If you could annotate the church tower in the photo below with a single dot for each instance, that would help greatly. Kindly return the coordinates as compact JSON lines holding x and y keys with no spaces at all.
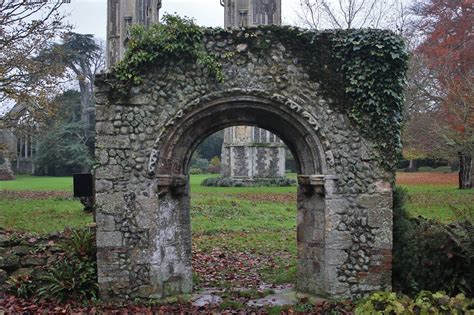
{"x":251,"y":12}
{"x":120,"y":15}
{"x":251,"y":153}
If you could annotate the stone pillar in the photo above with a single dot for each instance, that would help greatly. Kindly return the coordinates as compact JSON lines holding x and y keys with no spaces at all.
{"x":7,"y":153}
{"x":250,"y":153}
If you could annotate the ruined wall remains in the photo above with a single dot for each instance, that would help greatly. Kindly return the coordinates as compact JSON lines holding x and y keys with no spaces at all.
{"x":145,"y":140}
{"x":7,"y":152}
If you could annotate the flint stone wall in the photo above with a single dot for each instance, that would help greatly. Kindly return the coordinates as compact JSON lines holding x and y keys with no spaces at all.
{"x":344,"y":231}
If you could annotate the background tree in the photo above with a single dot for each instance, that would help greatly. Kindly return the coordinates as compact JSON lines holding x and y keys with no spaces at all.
{"x":211,"y":146}
{"x":347,"y":14}
{"x":24,"y":30}
{"x":84,"y":57}
{"x":81,"y":57}
{"x":64,"y":139}
{"x":447,"y":47}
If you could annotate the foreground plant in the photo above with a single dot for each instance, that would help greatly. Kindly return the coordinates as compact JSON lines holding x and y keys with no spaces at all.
{"x":72,"y":277}
{"x":425,"y":303}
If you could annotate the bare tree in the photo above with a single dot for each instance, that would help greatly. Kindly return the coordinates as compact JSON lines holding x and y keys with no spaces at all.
{"x":347,"y":14}
{"x":25,"y":28}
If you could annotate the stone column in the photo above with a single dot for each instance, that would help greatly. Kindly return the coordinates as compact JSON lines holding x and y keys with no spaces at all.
{"x":250,"y":153}
{"x":7,"y":153}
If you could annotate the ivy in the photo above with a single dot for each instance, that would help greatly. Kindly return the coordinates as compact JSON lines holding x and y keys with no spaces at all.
{"x":362,"y":71}
{"x":372,"y":65}
{"x":175,"y":38}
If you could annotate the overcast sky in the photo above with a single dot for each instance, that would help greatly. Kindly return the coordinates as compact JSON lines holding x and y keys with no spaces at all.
{"x":89,"y":16}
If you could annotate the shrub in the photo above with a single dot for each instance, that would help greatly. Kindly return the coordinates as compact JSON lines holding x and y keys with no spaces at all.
{"x":22,"y":286}
{"x":202,"y":164}
{"x":428,"y":255}
{"x":425,"y":169}
{"x":74,"y":276}
{"x":81,"y":244}
{"x":214,"y":165}
{"x":70,"y":278}
{"x":230,"y":182}
{"x":424,"y":303}
{"x":195,"y":171}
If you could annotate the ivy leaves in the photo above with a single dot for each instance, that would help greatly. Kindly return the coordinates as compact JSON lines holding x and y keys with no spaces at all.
{"x":373,"y":65}
{"x":175,"y":39}
{"x":370,"y":65}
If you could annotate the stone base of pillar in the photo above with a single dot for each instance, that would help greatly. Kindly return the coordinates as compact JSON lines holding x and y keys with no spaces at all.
{"x":6,"y":172}
{"x":249,"y":182}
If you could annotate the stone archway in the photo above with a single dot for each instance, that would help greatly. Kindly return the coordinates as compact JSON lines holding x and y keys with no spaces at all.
{"x":145,"y":141}
{"x":169,"y":164}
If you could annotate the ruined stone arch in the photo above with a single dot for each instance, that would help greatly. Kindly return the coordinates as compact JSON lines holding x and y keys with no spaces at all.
{"x":145,"y":137}
{"x":299,"y":129}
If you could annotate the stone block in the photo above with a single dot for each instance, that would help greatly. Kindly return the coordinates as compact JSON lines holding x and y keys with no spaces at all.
{"x":304,"y":233}
{"x":113,"y":142}
{"x":109,"y":172}
{"x":102,"y":186}
{"x":338,"y":240}
{"x":337,"y":206}
{"x":3,"y":276}
{"x":105,"y":222}
{"x":9,"y":262}
{"x":335,"y":257}
{"x":305,"y":217}
{"x":31,"y":261}
{"x":384,"y":236}
{"x":21,"y":250}
{"x":104,"y":128}
{"x":109,"y":239}
{"x":108,"y":257}
{"x":383,"y":187}
{"x":109,"y":203}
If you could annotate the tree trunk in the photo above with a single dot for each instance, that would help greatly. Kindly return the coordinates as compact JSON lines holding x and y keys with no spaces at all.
{"x":85,"y":96}
{"x":412,"y":166}
{"x":465,"y":171}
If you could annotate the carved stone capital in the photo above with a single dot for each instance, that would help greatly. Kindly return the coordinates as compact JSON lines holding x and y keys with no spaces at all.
{"x":311,"y":184}
{"x":176,"y":184}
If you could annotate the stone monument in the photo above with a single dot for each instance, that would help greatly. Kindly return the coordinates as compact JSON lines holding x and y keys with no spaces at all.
{"x":251,"y":154}
{"x":7,"y":151}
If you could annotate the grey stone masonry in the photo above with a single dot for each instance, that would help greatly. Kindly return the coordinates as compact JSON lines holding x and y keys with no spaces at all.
{"x":144,"y":146}
{"x":250,"y":153}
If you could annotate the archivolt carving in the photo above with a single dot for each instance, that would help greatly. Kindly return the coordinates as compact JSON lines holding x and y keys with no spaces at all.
{"x":155,"y":152}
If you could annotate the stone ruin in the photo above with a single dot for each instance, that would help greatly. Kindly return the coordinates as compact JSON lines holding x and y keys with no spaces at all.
{"x":7,"y":152}
{"x":145,"y":141}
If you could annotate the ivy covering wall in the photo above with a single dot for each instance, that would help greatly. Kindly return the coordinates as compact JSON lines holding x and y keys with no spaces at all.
{"x":361,"y":71}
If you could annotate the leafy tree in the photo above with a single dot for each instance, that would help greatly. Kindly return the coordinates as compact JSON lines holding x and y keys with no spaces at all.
{"x":64,"y":140}
{"x":64,"y":149}
{"x":211,"y":146}
{"x":84,"y":57}
{"x":448,"y":50}
{"x":25,"y":28}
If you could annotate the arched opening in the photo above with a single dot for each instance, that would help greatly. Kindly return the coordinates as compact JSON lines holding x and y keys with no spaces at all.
{"x":294,"y":126}
{"x":243,"y":232}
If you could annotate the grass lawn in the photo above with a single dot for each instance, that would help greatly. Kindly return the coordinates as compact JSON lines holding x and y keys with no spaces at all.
{"x":436,"y":196}
{"x":40,"y":205}
{"x":258,"y":221}
{"x":37,"y":183}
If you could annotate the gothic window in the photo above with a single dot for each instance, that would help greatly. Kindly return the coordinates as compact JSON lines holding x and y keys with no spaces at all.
{"x":243,"y":18}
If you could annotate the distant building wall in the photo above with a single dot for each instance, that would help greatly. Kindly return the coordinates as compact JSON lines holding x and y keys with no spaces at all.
{"x":120,"y":15}
{"x":250,"y":153}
